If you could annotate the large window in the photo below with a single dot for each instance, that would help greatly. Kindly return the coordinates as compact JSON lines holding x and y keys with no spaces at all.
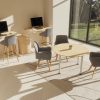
{"x":85,"y":21}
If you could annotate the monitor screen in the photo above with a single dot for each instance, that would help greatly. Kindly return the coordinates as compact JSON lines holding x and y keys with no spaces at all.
{"x":36,"y":21}
{"x":3,"y":26}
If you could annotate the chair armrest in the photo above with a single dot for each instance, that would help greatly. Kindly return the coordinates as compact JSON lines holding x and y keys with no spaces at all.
{"x":46,"y":49}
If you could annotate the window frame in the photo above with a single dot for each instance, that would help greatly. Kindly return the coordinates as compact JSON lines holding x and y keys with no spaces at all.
{"x":88,"y":25}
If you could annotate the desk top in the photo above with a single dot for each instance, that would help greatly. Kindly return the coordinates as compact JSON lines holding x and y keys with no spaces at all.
{"x":5,"y":34}
{"x":10,"y":33}
{"x":40,"y":29}
{"x":64,"y":50}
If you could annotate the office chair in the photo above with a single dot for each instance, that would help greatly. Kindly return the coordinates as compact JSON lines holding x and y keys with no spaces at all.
{"x":45,"y":34}
{"x":95,"y":60}
{"x":61,"y":39}
{"x":43,"y":53}
{"x":10,"y":41}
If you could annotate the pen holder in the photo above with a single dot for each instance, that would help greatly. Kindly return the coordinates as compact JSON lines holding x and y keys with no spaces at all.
{"x":70,"y":46}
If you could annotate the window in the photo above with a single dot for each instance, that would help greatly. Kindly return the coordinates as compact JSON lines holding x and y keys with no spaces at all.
{"x":85,"y":21}
{"x":94,"y":27}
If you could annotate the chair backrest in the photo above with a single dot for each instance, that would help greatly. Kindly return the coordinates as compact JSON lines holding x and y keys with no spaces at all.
{"x":36,"y":46}
{"x":61,"y":39}
{"x":49,"y":31}
{"x":95,"y":58}
{"x":46,"y":33}
{"x":10,"y":40}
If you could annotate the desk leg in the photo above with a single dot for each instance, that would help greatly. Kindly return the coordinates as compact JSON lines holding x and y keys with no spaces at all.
{"x":81,"y":63}
{"x":59,"y":64}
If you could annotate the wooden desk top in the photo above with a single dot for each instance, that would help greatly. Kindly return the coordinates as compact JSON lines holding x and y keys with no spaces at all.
{"x":40,"y":29}
{"x":5,"y":34}
{"x":63,"y":49}
{"x":10,"y":33}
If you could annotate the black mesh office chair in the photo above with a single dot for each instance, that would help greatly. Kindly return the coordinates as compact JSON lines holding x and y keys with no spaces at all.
{"x":43,"y":53}
{"x":10,"y":41}
{"x":95,"y":60}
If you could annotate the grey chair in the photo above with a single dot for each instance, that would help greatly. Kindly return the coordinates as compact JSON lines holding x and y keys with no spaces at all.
{"x":45,"y":34}
{"x":61,"y":39}
{"x":95,"y":60}
{"x":43,"y":53}
{"x":10,"y":43}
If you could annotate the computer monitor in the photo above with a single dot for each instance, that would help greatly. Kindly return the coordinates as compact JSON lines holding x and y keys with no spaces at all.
{"x":3,"y":27}
{"x":37,"y":22}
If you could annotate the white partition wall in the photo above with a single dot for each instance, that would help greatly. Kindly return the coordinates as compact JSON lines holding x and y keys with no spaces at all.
{"x":61,"y":13}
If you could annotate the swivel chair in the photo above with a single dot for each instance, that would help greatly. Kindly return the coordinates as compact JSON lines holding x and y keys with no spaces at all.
{"x":45,"y":34}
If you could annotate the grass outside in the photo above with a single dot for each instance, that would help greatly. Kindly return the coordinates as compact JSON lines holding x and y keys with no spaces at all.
{"x":94,"y":33}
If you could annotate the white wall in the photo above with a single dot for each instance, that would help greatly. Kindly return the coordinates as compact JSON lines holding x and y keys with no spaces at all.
{"x":61,"y":12}
{"x":48,"y":17}
{"x":48,"y":12}
{"x":56,"y":13}
{"x":19,"y":12}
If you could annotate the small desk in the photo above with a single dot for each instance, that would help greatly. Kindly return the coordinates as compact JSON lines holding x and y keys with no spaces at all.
{"x":28,"y":37}
{"x":76,"y":50}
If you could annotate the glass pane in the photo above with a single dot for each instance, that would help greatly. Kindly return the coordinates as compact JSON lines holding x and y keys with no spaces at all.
{"x":79,"y":21}
{"x":94,"y":29}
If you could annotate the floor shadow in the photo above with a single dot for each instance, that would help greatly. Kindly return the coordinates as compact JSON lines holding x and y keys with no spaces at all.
{"x":49,"y":89}
{"x":39,"y":88}
{"x":10,"y":84}
{"x":62,"y":84}
{"x":98,"y":99}
{"x":14,"y":78}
